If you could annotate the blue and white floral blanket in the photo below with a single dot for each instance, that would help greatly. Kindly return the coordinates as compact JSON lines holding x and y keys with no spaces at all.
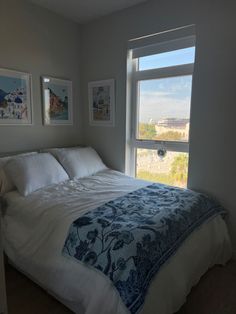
{"x":128,"y":239}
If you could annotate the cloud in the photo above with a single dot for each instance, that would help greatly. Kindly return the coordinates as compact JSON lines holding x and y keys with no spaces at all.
{"x":158,"y":105}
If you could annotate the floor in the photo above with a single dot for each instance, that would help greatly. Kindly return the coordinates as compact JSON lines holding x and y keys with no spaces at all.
{"x":215,"y":294}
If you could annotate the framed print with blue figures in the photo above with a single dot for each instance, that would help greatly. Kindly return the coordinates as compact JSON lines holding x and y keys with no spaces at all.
{"x":57,"y":101}
{"x":15,"y":98}
{"x":102,"y":103}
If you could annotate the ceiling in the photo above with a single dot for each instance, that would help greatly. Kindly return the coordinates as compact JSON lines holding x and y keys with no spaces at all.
{"x":83,"y":11}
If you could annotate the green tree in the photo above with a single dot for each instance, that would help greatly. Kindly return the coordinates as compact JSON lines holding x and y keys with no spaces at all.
{"x":155,"y":177}
{"x":179,"y":168}
{"x":170,"y":136}
{"x":147,"y":131}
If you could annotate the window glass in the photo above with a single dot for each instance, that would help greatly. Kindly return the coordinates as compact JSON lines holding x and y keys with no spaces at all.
{"x":164,"y":109}
{"x":172,"y":169}
{"x":162,"y":102}
{"x":167,"y":59}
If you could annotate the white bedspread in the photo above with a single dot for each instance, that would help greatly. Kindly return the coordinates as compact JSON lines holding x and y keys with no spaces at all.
{"x":35,"y":229}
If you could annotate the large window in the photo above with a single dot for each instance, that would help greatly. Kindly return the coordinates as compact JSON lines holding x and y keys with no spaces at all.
{"x":161,"y":99}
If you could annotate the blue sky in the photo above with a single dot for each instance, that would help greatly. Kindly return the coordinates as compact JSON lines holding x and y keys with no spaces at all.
{"x":168,"y":97}
{"x":60,"y":90}
{"x":9,"y":84}
{"x":166,"y":59}
{"x":165,"y":98}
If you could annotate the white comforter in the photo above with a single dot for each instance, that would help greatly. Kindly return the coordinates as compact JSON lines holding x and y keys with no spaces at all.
{"x":36,"y":227}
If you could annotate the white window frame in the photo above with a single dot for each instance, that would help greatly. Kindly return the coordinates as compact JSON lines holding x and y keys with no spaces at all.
{"x":174,"y":40}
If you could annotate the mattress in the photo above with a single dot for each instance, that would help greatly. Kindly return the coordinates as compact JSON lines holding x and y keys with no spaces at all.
{"x":35,"y":228}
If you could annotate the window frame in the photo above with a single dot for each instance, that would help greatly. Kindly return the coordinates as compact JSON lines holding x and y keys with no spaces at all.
{"x":135,"y":75}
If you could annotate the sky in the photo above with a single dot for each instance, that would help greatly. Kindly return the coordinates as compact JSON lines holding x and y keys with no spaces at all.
{"x":60,"y":90}
{"x":165,"y":98}
{"x":161,"y":60}
{"x":10,"y":84}
{"x":168,"y":97}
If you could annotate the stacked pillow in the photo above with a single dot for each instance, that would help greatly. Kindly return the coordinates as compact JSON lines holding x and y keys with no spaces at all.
{"x":80,"y":162}
{"x":55,"y":150}
{"x":6,"y":184}
{"x":30,"y":172}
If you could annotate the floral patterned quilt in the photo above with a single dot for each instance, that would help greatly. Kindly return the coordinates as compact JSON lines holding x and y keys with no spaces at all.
{"x":128,"y":239}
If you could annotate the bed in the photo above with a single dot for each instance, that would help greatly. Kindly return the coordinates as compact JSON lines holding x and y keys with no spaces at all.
{"x":36,"y":226}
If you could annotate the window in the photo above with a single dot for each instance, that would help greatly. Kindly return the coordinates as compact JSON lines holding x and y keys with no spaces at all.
{"x":161,"y":84}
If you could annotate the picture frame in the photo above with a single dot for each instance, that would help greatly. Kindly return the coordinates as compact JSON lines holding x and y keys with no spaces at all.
{"x":57,"y":101}
{"x":15,"y":98}
{"x":102,"y":103}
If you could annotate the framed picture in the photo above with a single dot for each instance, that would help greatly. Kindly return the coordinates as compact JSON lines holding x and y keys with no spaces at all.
{"x":57,"y":101}
{"x":102,"y":103}
{"x":15,"y":98}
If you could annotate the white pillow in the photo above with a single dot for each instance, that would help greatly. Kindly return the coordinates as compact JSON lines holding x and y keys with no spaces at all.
{"x":6,"y":184}
{"x":30,"y":173}
{"x":80,"y":162}
{"x":55,"y":150}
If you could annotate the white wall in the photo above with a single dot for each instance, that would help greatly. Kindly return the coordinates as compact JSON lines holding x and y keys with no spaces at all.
{"x":213,"y":128}
{"x":42,"y":43}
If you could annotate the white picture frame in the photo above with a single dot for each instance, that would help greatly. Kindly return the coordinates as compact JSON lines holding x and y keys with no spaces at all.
{"x":15,"y":98}
{"x":57,"y":101}
{"x":102,"y":103}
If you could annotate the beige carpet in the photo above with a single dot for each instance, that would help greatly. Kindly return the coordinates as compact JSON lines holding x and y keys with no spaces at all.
{"x":215,"y":294}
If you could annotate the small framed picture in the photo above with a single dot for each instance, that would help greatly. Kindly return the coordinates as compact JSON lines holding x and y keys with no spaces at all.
{"x":57,"y":101}
{"x":15,"y":98}
{"x":102,"y":103}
